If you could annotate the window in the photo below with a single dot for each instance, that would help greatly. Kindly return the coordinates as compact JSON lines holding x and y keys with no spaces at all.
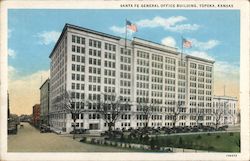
{"x":82,"y":40}
{"x":73,"y":38}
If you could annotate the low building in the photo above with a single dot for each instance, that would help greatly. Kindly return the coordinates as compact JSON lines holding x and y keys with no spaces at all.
{"x":228,"y":109}
{"x":36,"y":115}
{"x":44,"y":102}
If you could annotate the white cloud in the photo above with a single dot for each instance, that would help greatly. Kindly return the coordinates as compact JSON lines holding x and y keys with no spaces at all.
{"x":201,"y":54}
{"x":160,"y":22}
{"x":12,"y":72}
{"x":169,"y":24}
{"x":226,"y":67}
{"x":169,"y":41}
{"x":11,"y":53}
{"x":204,"y":45}
{"x":223,"y":70}
{"x":183,"y":27}
{"x":118,"y":30}
{"x":47,"y":37}
{"x":121,"y":31}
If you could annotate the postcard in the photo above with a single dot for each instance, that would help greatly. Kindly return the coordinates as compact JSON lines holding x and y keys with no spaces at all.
{"x":124,"y":80}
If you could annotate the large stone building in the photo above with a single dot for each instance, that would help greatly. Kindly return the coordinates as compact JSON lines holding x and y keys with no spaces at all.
{"x":90,"y":63}
{"x":44,"y":102}
{"x":227,"y":109}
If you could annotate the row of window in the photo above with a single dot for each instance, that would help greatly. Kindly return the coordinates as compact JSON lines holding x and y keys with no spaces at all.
{"x":125,"y":91}
{"x":77,"y":58}
{"x":109,"y":72}
{"x":125,"y":67}
{"x":125,"y":83}
{"x":94,"y":52}
{"x":157,"y":58}
{"x":95,"y":43}
{"x":78,"y":39}
{"x":110,"y":55}
{"x":125,"y":59}
{"x":94,"y":70}
{"x":125,"y":75}
{"x":93,"y":61}
{"x":110,"y":47}
{"x":78,"y":68}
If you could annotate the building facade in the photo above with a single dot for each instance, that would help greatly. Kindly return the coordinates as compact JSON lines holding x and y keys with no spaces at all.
{"x":227,"y":109}
{"x":36,"y":115}
{"x":89,"y":63}
{"x":44,"y":102}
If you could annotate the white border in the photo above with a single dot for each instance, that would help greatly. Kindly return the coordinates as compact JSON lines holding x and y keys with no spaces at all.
{"x":243,"y":6}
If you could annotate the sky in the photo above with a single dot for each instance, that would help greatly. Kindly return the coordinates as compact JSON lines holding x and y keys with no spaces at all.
{"x":32,"y":34}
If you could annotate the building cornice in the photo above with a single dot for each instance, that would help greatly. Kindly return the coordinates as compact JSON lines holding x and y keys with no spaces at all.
{"x":153,"y":45}
{"x":70,"y":26}
{"x":225,"y":98}
{"x":47,"y":80}
{"x":201,"y":59}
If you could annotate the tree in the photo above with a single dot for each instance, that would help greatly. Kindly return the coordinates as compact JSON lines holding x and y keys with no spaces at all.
{"x":199,"y":115}
{"x":69,"y":103}
{"x":146,"y":110}
{"x":176,"y":112}
{"x":217,"y":113}
{"x":110,"y":107}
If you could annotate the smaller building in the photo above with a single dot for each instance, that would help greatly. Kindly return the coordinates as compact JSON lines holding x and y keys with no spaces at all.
{"x":228,"y":109}
{"x":44,"y":102}
{"x":36,"y":115}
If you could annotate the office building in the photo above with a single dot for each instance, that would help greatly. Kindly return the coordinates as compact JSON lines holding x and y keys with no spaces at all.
{"x":44,"y":102}
{"x":89,"y":63}
{"x":227,"y":107}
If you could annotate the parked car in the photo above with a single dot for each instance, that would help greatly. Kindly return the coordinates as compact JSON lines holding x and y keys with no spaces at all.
{"x":78,"y":131}
{"x":12,"y":126}
{"x":44,"y":129}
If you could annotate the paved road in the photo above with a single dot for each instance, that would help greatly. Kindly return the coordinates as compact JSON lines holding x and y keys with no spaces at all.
{"x":30,"y":139}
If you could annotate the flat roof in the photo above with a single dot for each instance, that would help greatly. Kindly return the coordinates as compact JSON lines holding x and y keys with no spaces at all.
{"x":160,"y":47}
{"x":201,"y":59}
{"x":44,"y":83}
{"x":226,"y":97}
{"x":66,"y":26}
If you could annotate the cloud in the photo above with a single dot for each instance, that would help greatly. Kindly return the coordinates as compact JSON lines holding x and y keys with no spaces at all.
{"x":160,"y":22}
{"x":183,"y":27}
{"x":47,"y":37}
{"x":201,"y":54}
{"x":24,"y":91}
{"x":226,"y":71}
{"x":169,"y":24}
{"x":11,"y":72}
{"x":11,"y":53}
{"x":223,"y":70}
{"x":121,"y":31}
{"x":169,"y":41}
{"x":204,"y":45}
{"x":118,"y":30}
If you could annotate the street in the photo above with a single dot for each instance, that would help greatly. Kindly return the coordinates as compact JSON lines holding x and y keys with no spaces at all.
{"x":29,"y":139}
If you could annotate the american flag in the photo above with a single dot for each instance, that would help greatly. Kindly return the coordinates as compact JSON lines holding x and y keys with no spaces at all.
{"x":131,"y":26}
{"x":186,"y":43}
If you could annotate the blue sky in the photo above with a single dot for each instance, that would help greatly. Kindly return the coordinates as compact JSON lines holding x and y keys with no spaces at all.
{"x":31,"y":54}
{"x":33,"y":33}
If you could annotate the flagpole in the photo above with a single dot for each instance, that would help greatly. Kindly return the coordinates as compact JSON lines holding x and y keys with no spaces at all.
{"x":181,"y":48}
{"x":126,"y":35}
